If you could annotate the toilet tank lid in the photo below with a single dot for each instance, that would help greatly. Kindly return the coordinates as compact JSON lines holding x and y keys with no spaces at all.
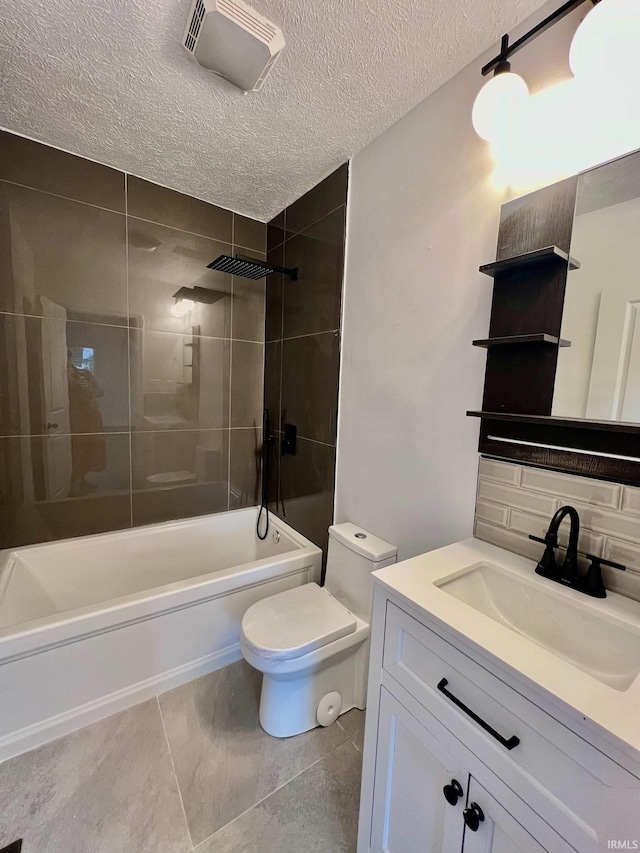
{"x":362,"y":542}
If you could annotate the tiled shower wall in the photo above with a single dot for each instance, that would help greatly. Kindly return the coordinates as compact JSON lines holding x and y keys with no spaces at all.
{"x":516,"y":500}
{"x":113,"y":411}
{"x":303,"y":351}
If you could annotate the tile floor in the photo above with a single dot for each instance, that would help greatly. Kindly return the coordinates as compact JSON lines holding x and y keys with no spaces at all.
{"x":188,"y":771}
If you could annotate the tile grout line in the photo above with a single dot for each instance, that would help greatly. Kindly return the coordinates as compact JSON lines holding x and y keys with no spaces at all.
{"x":306,"y":228}
{"x":175,"y":775}
{"x":275,"y":790}
{"x":64,"y":197}
{"x":136,"y":432}
{"x":142,"y":218}
{"x":233,"y":236}
{"x":129,"y":341}
{"x":195,"y":233}
{"x":124,"y":327}
{"x":311,"y":335}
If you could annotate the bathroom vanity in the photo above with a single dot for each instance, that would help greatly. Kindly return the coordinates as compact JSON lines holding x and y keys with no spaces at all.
{"x":503,"y":711}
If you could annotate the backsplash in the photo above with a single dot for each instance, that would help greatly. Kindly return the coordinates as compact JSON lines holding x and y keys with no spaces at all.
{"x":516,"y":500}
{"x":116,"y":408}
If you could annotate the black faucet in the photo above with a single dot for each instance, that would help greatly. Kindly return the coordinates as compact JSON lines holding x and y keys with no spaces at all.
{"x":568,"y":573}
{"x":548,"y":566}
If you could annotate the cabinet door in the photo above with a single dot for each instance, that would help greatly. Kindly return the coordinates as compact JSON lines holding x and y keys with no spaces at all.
{"x":514,"y":829}
{"x":410,"y":811}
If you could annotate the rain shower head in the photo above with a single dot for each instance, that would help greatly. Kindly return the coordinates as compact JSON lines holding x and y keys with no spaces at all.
{"x":249,"y":267}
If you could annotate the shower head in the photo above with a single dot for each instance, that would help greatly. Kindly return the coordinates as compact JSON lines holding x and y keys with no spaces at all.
{"x":249,"y":267}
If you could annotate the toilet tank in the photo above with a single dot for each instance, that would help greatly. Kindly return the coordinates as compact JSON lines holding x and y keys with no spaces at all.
{"x":353,"y":554}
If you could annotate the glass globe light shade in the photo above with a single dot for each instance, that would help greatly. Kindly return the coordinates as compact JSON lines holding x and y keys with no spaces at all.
{"x":495,"y":104}
{"x":607,"y":42}
{"x":182,"y":307}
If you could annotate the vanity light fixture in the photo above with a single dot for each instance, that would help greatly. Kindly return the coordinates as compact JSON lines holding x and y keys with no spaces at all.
{"x":497,"y":99}
{"x":607,"y":41}
{"x":505,"y":91}
{"x":187,"y":297}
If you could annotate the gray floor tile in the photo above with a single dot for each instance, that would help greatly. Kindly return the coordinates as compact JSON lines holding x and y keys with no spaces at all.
{"x":105,"y":788}
{"x":317,"y":812}
{"x":225,"y":763}
{"x":353,"y":724}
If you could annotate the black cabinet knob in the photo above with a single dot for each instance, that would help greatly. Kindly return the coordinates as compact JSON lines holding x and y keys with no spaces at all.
{"x":453,"y":792}
{"x":473,"y":817}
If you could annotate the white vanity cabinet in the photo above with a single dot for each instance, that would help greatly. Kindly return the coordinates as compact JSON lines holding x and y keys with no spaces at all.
{"x":442,"y":720}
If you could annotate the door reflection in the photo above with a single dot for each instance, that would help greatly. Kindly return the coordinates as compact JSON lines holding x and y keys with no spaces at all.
{"x":88,"y":452}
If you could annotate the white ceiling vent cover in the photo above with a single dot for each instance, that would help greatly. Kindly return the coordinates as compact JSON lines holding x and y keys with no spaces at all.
{"x":231,"y":39}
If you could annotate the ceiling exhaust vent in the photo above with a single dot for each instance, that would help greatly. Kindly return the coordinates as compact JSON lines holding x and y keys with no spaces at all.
{"x":231,"y":39}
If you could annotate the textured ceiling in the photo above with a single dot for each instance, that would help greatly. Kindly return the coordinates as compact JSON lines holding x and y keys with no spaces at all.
{"x":109,"y":80}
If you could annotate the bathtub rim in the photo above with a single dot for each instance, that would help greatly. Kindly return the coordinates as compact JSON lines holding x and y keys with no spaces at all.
{"x":27,"y":638}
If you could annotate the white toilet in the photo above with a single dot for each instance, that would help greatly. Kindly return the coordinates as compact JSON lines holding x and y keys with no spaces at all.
{"x":312,"y":643}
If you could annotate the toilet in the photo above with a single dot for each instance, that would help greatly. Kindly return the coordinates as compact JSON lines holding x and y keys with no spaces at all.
{"x":312,"y":643}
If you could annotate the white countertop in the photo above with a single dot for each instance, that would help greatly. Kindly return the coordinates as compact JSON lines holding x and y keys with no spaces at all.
{"x":610,"y":713}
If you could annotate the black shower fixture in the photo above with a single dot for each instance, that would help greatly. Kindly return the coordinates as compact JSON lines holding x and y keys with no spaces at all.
{"x":198,"y":294}
{"x":249,"y":267}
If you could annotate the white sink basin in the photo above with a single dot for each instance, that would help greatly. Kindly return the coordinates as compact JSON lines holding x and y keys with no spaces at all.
{"x":582,"y":633}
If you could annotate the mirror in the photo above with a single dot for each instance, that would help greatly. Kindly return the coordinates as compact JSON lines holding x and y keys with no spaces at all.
{"x":598,"y":375}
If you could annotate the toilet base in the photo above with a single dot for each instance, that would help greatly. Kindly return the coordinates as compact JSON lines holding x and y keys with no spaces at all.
{"x":289,"y":705}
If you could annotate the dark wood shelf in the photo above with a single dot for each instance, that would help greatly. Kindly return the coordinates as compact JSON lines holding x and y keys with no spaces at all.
{"x":552,"y":420}
{"x":520,"y":263}
{"x":540,"y":338}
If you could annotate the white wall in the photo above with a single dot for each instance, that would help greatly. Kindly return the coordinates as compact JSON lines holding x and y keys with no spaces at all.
{"x":422,"y":216}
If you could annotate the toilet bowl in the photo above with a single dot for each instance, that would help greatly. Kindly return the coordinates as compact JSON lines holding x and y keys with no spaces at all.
{"x":311,"y":643}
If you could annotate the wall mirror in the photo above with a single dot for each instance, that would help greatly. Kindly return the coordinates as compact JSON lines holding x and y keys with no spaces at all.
{"x":598,"y":374}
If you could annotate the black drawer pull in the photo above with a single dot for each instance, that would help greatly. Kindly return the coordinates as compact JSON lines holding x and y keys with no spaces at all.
{"x":509,"y":744}
{"x":452,"y":793}
{"x":473,"y":817}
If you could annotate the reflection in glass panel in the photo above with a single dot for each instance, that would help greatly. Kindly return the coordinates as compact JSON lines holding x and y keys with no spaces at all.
{"x":598,"y":376}
{"x":50,"y":488}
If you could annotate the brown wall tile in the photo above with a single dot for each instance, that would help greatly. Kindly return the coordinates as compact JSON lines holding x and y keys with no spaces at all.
{"x":41,"y":167}
{"x":272,"y":375}
{"x":163,"y":394}
{"x":53,"y":250}
{"x":274,"y":295}
{"x":249,"y":234}
{"x":58,"y":377}
{"x":248,"y":309}
{"x":275,"y":231}
{"x":177,"y":474}
{"x":179,"y":381}
{"x":161,"y":261}
{"x":313,"y":302}
{"x":245,"y":464}
{"x":319,"y":201}
{"x":310,"y":385}
{"x":307,"y":487}
{"x":62,"y":486}
{"x":247,"y":381}
{"x":168,"y":207}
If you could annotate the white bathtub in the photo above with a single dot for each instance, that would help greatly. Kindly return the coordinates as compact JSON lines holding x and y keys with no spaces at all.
{"x":90,"y":626}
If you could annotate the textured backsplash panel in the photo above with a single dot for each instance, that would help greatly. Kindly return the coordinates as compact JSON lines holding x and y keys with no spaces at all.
{"x":516,"y":500}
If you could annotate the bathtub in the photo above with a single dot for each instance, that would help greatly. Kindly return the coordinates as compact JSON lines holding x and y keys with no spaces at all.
{"x":90,"y":626}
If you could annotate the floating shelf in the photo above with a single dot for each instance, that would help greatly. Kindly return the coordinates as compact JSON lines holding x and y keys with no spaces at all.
{"x":554,"y":420}
{"x":528,"y":260}
{"x":540,"y":338}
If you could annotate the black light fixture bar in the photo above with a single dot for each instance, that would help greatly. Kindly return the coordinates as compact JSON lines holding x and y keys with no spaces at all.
{"x":508,"y":50}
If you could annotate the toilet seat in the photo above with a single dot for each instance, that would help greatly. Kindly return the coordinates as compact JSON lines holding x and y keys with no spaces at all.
{"x":295,"y":622}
